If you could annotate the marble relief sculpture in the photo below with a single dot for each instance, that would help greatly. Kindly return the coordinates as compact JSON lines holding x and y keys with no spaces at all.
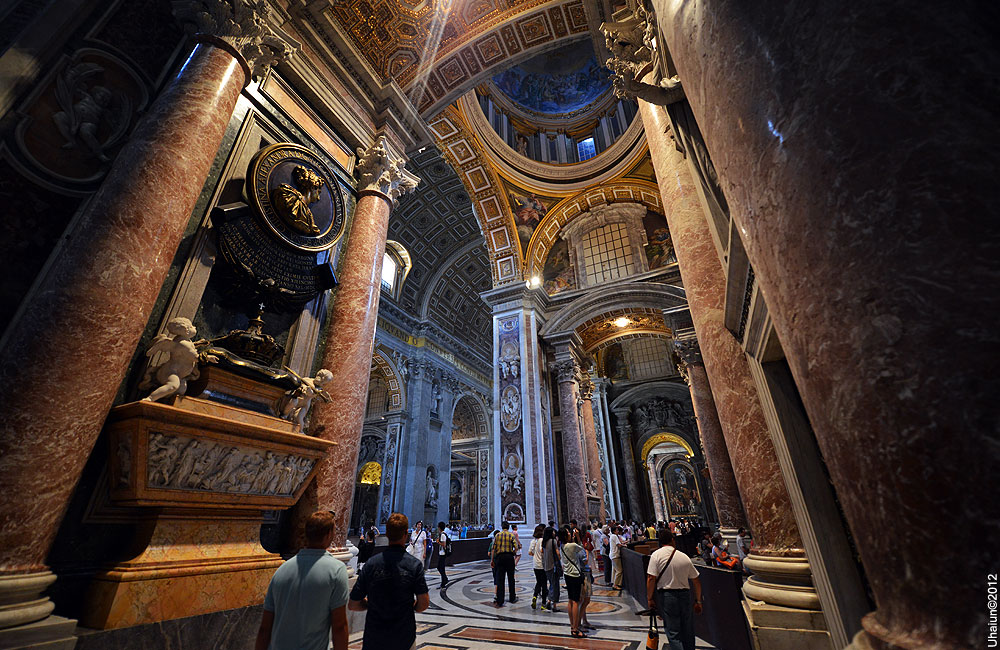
{"x":86,"y":107}
{"x":179,"y":462}
{"x":294,"y":404}
{"x":170,"y":377}
{"x":512,"y":476}
{"x":432,"y":489}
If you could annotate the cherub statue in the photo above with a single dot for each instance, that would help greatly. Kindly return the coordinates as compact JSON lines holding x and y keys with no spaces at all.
{"x":294,"y":405}
{"x":171,"y":376}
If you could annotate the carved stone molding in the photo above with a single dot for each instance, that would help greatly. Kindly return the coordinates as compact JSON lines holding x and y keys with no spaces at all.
{"x":382,"y":173}
{"x":241,"y":25}
{"x":630,"y":40}
{"x":688,"y":351}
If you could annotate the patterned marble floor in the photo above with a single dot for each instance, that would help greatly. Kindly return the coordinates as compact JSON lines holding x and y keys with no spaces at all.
{"x":462,"y":616}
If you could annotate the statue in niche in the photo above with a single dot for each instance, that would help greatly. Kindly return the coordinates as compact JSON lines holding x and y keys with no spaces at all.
{"x":432,"y":497}
{"x":172,"y":375}
{"x":435,"y":396}
{"x":293,"y":205}
{"x":294,"y":404}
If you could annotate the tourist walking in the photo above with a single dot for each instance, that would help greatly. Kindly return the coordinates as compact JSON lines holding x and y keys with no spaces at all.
{"x":444,"y":550}
{"x":418,"y":542}
{"x":668,"y":591}
{"x":306,"y":599}
{"x":505,"y":544}
{"x":392,"y":587}
{"x":538,"y":566}
{"x":552,"y":565}
{"x":616,"y":558}
{"x":573,"y":569}
{"x":587,"y":587}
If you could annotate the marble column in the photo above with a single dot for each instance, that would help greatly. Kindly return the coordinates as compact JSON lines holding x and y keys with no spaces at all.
{"x":656,"y":489}
{"x":628,"y":460}
{"x":574,"y":468}
{"x":863,"y":276}
{"x":724,"y":490}
{"x":64,"y":357}
{"x":781,"y":572}
{"x":590,"y":440}
{"x":351,"y":335}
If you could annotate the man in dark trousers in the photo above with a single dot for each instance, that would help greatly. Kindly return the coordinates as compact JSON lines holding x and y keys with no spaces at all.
{"x":305,"y":600}
{"x":668,"y":581}
{"x":442,"y":546}
{"x":502,"y":559}
{"x":392,"y":587}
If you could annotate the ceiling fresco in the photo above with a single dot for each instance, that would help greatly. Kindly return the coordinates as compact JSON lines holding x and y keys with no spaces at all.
{"x":436,"y":224}
{"x":468,"y":39}
{"x":560,"y":81}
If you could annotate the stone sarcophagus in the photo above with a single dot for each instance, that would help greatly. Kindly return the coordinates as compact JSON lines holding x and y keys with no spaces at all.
{"x":201,"y":473}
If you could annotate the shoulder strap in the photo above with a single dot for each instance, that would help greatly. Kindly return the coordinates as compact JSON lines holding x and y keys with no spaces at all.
{"x":669,"y":560}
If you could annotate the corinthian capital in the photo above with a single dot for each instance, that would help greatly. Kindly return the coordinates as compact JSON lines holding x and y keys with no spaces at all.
{"x":242,"y":25}
{"x":586,"y":389}
{"x":688,"y":351}
{"x":567,"y":370}
{"x":379,"y":171}
{"x":630,"y":41}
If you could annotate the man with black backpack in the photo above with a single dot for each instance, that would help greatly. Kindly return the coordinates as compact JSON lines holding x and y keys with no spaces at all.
{"x":444,"y":550}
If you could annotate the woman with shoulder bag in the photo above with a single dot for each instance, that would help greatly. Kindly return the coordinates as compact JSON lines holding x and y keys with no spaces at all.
{"x":550,"y":562}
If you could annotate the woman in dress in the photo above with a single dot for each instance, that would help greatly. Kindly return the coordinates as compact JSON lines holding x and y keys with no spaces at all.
{"x":418,"y":542}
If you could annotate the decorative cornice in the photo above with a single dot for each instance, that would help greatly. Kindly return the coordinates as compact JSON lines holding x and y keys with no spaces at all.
{"x":379,"y":172}
{"x":241,"y":27}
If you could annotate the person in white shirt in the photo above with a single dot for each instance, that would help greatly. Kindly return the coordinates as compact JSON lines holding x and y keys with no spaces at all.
{"x":616,"y":558}
{"x":668,"y":581}
{"x":442,"y":543}
{"x":538,"y":565}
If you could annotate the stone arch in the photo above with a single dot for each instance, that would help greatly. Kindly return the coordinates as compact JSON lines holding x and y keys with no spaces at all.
{"x":596,"y":303}
{"x":479,"y":412}
{"x":462,"y":149}
{"x":627,"y":190}
{"x":382,"y":362}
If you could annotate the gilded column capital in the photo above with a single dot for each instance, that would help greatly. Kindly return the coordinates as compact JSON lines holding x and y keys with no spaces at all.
{"x":586,"y":389}
{"x":381,"y":173}
{"x":630,"y":39}
{"x":567,"y":370}
{"x":239,"y":26}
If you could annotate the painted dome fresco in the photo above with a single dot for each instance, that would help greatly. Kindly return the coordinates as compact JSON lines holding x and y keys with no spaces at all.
{"x":557,"y":82}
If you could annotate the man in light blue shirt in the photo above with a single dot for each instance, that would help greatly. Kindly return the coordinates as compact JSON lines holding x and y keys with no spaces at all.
{"x":307,"y":597}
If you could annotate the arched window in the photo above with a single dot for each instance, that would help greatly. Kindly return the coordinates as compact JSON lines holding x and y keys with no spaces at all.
{"x":607,"y":254}
{"x":378,"y":397}
{"x":396,"y":266}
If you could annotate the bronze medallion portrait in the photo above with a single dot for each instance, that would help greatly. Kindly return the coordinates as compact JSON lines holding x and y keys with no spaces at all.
{"x":296,"y":196}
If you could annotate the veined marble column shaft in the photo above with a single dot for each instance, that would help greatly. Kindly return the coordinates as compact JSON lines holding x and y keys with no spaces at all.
{"x":748,"y":440}
{"x":574,"y":469}
{"x":713,"y":443}
{"x":64,"y":358}
{"x":351,"y":335}
{"x":872,"y":246}
{"x":628,"y":460}
{"x":590,"y":439}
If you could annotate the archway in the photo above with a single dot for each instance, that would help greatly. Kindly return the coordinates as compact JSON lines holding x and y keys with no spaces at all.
{"x":366,"y":487}
{"x":470,"y":478}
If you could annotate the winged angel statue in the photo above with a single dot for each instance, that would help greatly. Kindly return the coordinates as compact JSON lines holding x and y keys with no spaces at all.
{"x":86,"y":108}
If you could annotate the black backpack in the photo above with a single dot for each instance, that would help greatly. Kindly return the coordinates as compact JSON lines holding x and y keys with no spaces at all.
{"x":447,"y":546}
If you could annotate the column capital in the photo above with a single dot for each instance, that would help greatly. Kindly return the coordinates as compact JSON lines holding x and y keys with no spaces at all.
{"x":688,"y":354}
{"x":239,"y":26}
{"x":381,"y":173}
{"x":567,"y":370}
{"x":586,"y":388}
{"x":630,"y":40}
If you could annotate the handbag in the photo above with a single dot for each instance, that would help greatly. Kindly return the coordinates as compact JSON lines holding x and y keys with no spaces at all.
{"x":653,"y":635}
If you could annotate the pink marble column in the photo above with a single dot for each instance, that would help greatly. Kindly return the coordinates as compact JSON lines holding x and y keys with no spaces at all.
{"x":574,"y":467}
{"x":755,"y":464}
{"x":724,"y":490}
{"x":66,"y":355}
{"x":628,"y":461}
{"x":590,"y":439}
{"x":872,"y":245}
{"x":351,"y":335}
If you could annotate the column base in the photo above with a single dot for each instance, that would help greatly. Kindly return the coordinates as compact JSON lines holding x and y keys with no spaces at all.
{"x":50,"y":633}
{"x":188,"y":568}
{"x":785,"y":628}
{"x":782,"y":606}
{"x":21,"y":600}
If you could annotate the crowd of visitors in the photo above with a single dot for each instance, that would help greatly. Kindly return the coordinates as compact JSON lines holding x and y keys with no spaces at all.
{"x":307,"y":599}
